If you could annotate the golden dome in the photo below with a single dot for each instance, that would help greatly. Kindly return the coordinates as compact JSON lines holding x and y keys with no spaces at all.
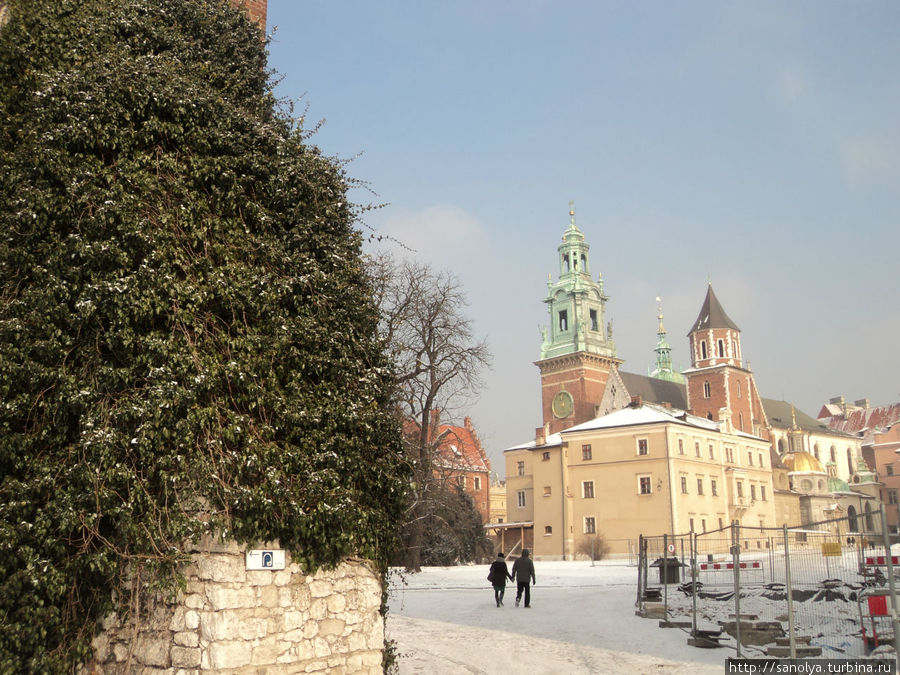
{"x":802,"y":462}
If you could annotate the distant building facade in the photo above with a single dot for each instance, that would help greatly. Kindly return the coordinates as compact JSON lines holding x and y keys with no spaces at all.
{"x":715,"y":451}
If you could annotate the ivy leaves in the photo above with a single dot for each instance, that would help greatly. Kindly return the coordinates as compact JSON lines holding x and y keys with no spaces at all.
{"x":187,"y":339}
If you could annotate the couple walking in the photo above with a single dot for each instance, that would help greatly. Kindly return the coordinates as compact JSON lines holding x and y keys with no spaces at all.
{"x":522,"y":573}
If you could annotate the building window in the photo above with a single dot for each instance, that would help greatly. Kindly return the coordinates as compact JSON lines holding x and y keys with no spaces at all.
{"x":587,"y":489}
{"x":563,"y":321}
{"x":546,"y":490}
{"x":750,"y":458}
{"x":461,"y":481}
{"x":594,"y":325}
{"x":477,"y":482}
{"x":740,"y":421}
{"x":691,"y":521}
{"x":703,"y":524}
{"x":702,"y":349}
{"x":740,"y":489}
{"x":586,"y":452}
{"x":752,"y":492}
{"x":762,"y":492}
{"x":697,"y":448}
{"x":706,"y":390}
{"x":712,"y":487}
{"x":720,"y":523}
{"x":712,"y":451}
{"x":889,"y":469}
{"x":546,"y":456}
{"x":816,"y":451}
{"x":590,"y":525}
{"x":548,"y":531}
{"x":699,"y":486}
{"x":684,"y":485}
{"x":680,"y":446}
{"x":850,"y":461}
{"x":739,"y":388}
{"x":644,"y":485}
{"x":761,"y":462}
{"x":833,"y":454}
{"x":520,"y":498}
{"x":720,"y":346}
{"x":892,"y":497}
{"x":642,"y":447}
{"x":520,"y":468}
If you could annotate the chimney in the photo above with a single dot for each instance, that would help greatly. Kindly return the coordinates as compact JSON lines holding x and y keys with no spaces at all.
{"x":667,"y":405}
{"x":862,"y":403}
{"x":540,"y":436}
{"x":636,"y":401}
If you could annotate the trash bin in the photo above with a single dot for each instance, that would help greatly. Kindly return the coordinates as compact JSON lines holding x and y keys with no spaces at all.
{"x":669,"y":570}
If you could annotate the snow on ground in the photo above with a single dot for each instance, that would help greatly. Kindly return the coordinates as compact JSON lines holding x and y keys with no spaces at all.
{"x":582,"y":620}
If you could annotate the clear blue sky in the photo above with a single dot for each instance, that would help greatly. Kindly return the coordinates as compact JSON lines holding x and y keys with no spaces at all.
{"x":755,"y":144}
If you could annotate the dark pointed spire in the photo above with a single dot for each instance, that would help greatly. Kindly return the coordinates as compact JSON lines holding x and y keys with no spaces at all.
{"x":712,"y":315}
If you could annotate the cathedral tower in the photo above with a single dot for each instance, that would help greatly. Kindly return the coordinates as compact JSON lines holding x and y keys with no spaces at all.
{"x":718,"y":385}
{"x":577,"y":352}
{"x":664,"y":369}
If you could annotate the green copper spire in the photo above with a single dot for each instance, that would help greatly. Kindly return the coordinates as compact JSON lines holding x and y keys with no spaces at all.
{"x":576,"y":302}
{"x":664,"y":369}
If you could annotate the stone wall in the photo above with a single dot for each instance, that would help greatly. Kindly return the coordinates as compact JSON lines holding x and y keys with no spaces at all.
{"x":231,"y":620}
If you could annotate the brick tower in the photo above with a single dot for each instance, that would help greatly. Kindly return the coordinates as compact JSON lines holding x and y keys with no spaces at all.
{"x":577,"y":353}
{"x":718,"y":385}
{"x":256,"y":10}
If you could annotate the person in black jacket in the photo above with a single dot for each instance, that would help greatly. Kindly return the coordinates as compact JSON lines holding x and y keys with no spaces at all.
{"x":523,"y":572}
{"x":497,"y":576}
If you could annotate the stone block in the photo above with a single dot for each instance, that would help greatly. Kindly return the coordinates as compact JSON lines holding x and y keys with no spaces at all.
{"x":267,"y":651}
{"x":185,"y":657}
{"x":281,"y":577}
{"x":268,"y":596}
{"x":153,"y":651}
{"x":186,"y":639}
{"x":231,"y":598}
{"x":176,"y":624}
{"x":331,"y":627}
{"x":222,"y":568}
{"x":321,"y":588}
{"x":259,"y":578}
{"x":336,"y":603}
{"x":225,"y":655}
{"x":194,"y":601}
{"x":191,"y":619}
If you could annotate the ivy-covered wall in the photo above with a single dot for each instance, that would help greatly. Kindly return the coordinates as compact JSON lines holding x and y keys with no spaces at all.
{"x":187,"y":336}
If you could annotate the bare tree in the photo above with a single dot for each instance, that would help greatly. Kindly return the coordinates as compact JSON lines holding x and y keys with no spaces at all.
{"x":438,"y":363}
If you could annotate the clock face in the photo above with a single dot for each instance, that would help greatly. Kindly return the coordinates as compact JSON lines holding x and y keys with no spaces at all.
{"x":562,"y":405}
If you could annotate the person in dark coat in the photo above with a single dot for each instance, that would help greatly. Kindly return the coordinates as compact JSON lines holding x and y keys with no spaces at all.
{"x":523,"y":572}
{"x":498,"y":575}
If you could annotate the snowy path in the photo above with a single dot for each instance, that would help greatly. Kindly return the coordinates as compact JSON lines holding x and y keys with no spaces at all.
{"x":444,"y":621}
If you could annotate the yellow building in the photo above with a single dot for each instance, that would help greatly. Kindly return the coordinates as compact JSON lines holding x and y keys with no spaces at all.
{"x":644,"y":469}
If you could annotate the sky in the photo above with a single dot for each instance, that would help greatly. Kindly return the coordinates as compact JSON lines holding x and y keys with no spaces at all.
{"x":751,"y":145}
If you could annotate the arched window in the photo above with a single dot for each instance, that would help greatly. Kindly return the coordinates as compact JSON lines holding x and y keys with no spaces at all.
{"x":584,"y":263}
{"x":741,"y":421}
{"x":850,"y":462}
{"x":720,"y":347}
{"x":833,"y":454}
{"x":566,"y":262}
{"x":780,"y":446}
{"x":851,"y":517}
{"x":706,"y":390}
{"x":816,"y":451}
{"x":702,"y":349}
{"x":739,"y":388}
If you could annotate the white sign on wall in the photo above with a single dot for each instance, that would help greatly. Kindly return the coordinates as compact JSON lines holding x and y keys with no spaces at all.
{"x":272,"y":559}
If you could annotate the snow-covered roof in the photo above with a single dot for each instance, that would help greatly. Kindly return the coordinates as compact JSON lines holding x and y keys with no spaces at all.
{"x":646,"y":414}
{"x":552,"y":439}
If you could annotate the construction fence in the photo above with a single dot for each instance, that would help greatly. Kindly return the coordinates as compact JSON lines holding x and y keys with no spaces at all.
{"x":823,"y":590}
